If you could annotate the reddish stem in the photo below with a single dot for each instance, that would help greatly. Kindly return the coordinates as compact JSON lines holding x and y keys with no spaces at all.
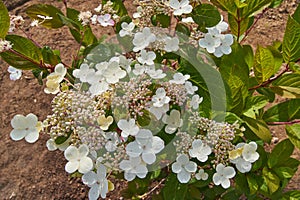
{"x":284,"y":123}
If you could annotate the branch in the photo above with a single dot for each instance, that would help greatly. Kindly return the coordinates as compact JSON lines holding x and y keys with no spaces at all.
{"x":270,"y":80}
{"x":285,"y":123}
{"x":152,"y":190}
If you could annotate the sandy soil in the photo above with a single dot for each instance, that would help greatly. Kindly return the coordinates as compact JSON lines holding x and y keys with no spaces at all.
{"x":31,"y":171}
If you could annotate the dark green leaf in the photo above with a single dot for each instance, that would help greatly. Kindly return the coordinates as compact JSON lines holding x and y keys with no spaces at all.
{"x":253,"y":6}
{"x":292,"y":195}
{"x":206,"y":15}
{"x":296,"y":15}
{"x":173,"y":190}
{"x":259,"y":128}
{"x":253,"y":184}
{"x":291,"y":41}
{"x":280,"y":153}
{"x":253,"y":104}
{"x":4,"y":20}
{"x":28,"y":55}
{"x":183,"y":29}
{"x":226,"y":5}
{"x":162,"y":20}
{"x":271,"y":180}
{"x":275,"y":3}
{"x":284,"y":172}
{"x":238,"y":28}
{"x":293,"y":132}
{"x":49,"y":56}
{"x":45,"y":10}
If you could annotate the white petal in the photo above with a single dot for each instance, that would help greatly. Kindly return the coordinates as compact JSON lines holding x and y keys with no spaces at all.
{"x":89,"y":178}
{"x":191,"y":167}
{"x":184,"y":176}
{"x":17,"y":135}
{"x":19,"y":122}
{"x":225,"y":184}
{"x":129,"y":176}
{"x":176,"y":167}
{"x":71,"y":153}
{"x":141,"y":171}
{"x":217,"y":179}
{"x":72,"y":166}
{"x":229,"y":172}
{"x":183,"y":159}
{"x":133,"y":149}
{"x":85,"y":165}
{"x":83,"y":150}
{"x":32,"y":137}
{"x":157,"y":144}
{"x":125,"y":165}
{"x":31,"y":120}
{"x":51,"y":145}
{"x":94,"y":192}
{"x":149,"y":158}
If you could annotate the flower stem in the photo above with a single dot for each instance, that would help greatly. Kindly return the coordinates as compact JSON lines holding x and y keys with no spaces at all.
{"x":152,"y":190}
{"x":285,"y":123}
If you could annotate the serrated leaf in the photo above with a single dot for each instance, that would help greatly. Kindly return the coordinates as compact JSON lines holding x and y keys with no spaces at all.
{"x":291,"y":41}
{"x":236,"y":28}
{"x":281,"y":152}
{"x":28,"y":55}
{"x":271,"y":180}
{"x":259,"y":128}
{"x":206,"y":15}
{"x":4,"y":20}
{"x":254,"y":103}
{"x":293,"y":132}
{"x":283,"y":112}
{"x":45,"y":10}
{"x":263,"y":64}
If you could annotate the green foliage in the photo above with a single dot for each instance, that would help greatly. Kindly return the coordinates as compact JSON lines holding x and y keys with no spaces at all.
{"x":291,"y":41}
{"x":161,"y":19}
{"x":280,"y":153}
{"x":174,"y":190}
{"x":287,"y":86}
{"x":206,"y":15}
{"x":118,"y":6}
{"x":4,"y":20}
{"x":27,"y":55}
{"x":259,"y":128}
{"x":293,"y":132}
{"x":45,"y":10}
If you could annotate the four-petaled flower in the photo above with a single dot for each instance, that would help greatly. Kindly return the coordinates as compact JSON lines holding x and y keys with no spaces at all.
{"x":54,"y":79}
{"x":15,"y":73}
{"x":200,"y":150}
{"x":171,"y":44}
{"x":196,"y":100}
{"x":128,"y":127}
{"x":201,"y":175}
{"x":133,"y":167}
{"x":190,"y":88}
{"x":25,"y":127}
{"x":105,"y":20}
{"x":105,"y":122}
{"x":146,"y":145}
{"x":223,"y":175}
{"x":181,"y":7}
{"x":78,"y":159}
{"x":183,"y":167}
{"x":173,"y":121}
{"x":126,"y":29}
{"x":147,"y":57}
{"x":114,"y":73}
{"x":249,"y":152}
{"x":210,"y":43}
{"x":160,"y":98}
{"x":142,"y":39}
{"x":97,"y":182}
{"x":83,"y":73}
{"x":179,"y":78}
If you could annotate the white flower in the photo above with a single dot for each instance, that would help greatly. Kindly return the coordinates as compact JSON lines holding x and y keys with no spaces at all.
{"x":44,"y":17}
{"x":200,"y":150}
{"x":160,"y":98}
{"x":221,"y":26}
{"x":34,"y":23}
{"x":128,"y":127}
{"x":181,"y":7}
{"x":105,"y":20}
{"x":171,"y":44}
{"x":94,"y":19}
{"x":15,"y":73}
{"x":249,"y":152}
{"x":209,"y":42}
{"x":137,"y":14}
{"x":158,"y":112}
{"x":78,"y":159}
{"x":224,"y":47}
{"x":113,"y":73}
{"x":156,"y":74}
{"x":99,"y":88}
{"x":173,"y":121}
{"x":83,"y":73}
{"x":99,"y":8}
{"x":223,"y":175}
{"x":138,"y":69}
{"x":133,"y":167}
{"x":179,"y":78}
{"x":196,"y":100}
{"x":147,"y":57}
{"x":183,"y":167}
{"x":201,"y":175}
{"x":187,"y":20}
{"x":25,"y":127}
{"x":84,"y":17}
{"x":190,"y":88}
{"x":126,"y":29}
{"x":97,"y":182}
{"x":5,"y":45}
{"x":113,"y":141}
{"x":142,"y":39}
{"x":105,"y":122}
{"x":145,"y":144}
{"x":242,"y":165}
{"x":54,"y":79}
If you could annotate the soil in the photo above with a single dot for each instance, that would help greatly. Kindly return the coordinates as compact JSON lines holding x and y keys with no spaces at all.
{"x":30,"y":171}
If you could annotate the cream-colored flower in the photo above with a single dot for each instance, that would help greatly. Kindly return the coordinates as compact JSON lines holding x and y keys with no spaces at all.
{"x":105,"y":122}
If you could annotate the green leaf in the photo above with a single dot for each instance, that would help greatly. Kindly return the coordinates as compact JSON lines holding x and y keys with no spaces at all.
{"x":161,"y":19}
{"x":69,"y":22}
{"x":271,"y":180}
{"x":293,"y":132}
{"x":283,"y":112}
{"x":226,"y":5}
{"x":291,"y":41}
{"x":4,"y":20}
{"x":296,"y":15}
{"x":183,"y":29}
{"x":284,"y":172}
{"x":45,"y":10}
{"x":263,"y":64}
{"x":253,"y":104}
{"x":253,"y":6}
{"x":206,"y":15}
{"x":173,"y":190}
{"x":29,"y":56}
{"x":118,"y":6}
{"x":252,"y":182}
{"x":287,"y":85}
{"x":281,"y":152}
{"x":259,"y":128}
{"x":49,"y":56}
{"x":286,"y":91}
{"x":236,"y":28}
{"x":275,"y":3}
{"x":292,"y":195}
